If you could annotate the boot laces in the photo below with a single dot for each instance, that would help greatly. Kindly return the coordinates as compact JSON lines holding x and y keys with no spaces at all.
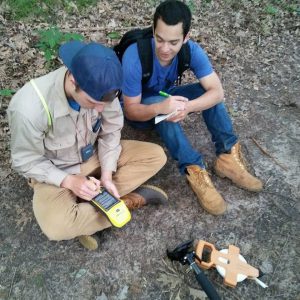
{"x":204,"y":179}
{"x":239,"y":158}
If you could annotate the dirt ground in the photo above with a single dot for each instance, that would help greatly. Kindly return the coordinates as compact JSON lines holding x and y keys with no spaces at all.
{"x":257,"y":58}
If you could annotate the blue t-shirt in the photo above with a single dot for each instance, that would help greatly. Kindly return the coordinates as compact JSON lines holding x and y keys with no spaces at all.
{"x":162,"y":77}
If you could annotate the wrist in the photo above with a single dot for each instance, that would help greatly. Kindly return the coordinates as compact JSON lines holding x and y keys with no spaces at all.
{"x":106,"y":176}
{"x":189,"y":107}
{"x":156,"y":109}
{"x":66,"y":182}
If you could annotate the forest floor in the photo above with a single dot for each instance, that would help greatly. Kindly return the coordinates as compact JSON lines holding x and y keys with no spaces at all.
{"x":256,"y":55}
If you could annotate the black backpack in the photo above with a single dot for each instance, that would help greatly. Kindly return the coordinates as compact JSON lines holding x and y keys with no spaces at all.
{"x":143,"y":39}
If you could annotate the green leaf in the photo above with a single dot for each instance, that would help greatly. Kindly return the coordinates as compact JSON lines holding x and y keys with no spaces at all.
{"x":7,"y":92}
{"x":271,"y":10}
{"x":52,"y":42}
{"x":72,"y":36}
{"x":114,"y":35}
{"x":50,"y":39}
{"x":48,"y":55}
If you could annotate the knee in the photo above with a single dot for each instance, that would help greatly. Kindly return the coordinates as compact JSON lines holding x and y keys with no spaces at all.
{"x":219,"y":107}
{"x":56,"y":227}
{"x":54,"y":235}
{"x":168,"y":131}
{"x":160,"y":155}
{"x":55,"y":231}
{"x":217,"y":111}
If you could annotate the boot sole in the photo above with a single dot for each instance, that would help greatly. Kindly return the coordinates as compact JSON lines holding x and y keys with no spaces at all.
{"x":220,"y":174}
{"x":155,"y":188}
{"x":90,"y":244}
{"x":214,"y":213}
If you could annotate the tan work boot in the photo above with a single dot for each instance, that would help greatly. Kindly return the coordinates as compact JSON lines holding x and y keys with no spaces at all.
{"x":207,"y":194}
{"x":145,"y":195}
{"x":88,"y":242}
{"x":233,"y":167}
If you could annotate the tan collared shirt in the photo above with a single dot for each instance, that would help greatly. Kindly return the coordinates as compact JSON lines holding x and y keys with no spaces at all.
{"x":49,"y":154}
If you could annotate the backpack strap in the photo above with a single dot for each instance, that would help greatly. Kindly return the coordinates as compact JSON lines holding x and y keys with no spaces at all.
{"x":41,"y":97}
{"x":146,"y":57}
{"x":184,"y":61}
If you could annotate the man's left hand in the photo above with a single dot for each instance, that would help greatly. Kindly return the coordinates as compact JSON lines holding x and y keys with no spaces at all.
{"x":106,"y":181}
{"x":180,"y":116}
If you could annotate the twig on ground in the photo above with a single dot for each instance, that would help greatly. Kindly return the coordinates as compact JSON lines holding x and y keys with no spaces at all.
{"x":12,"y":283}
{"x":169,"y":267}
{"x":258,"y":40}
{"x":268,"y":154}
{"x":266,"y":184}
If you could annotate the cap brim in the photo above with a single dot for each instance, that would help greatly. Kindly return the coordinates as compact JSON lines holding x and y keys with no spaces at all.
{"x":68,"y":51}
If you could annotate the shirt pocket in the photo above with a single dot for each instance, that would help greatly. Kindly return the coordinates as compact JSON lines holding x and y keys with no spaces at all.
{"x":62,"y":148}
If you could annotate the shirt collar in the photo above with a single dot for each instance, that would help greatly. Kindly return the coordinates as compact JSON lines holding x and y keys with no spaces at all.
{"x":74,"y":104}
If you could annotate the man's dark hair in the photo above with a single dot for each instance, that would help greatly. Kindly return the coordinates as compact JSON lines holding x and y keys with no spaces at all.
{"x":173,"y":12}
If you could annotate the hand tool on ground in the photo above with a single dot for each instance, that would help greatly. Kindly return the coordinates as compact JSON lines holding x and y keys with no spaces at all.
{"x":185,"y":254}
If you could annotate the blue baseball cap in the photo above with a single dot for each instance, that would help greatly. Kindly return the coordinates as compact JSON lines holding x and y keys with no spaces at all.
{"x":96,"y":68}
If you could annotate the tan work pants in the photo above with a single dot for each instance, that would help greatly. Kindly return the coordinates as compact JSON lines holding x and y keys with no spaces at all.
{"x":57,"y":210}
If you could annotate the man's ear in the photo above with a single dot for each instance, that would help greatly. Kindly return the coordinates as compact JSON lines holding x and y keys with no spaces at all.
{"x":187,"y":37}
{"x":71,"y":78}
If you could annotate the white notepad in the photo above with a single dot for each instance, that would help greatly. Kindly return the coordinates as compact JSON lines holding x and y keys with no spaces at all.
{"x":163,"y":117}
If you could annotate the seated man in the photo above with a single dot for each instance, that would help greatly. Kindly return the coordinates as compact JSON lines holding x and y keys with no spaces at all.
{"x":142,"y":103}
{"x":65,"y":138}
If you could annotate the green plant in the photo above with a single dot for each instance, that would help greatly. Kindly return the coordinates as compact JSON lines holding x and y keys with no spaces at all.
{"x":81,"y":4}
{"x":46,"y":9}
{"x":192,"y":6}
{"x":271,"y":10}
{"x":50,"y":40}
{"x":21,"y":9}
{"x":114,"y":35}
{"x":154,"y":3}
{"x":6,"y":92}
{"x":292,"y":8}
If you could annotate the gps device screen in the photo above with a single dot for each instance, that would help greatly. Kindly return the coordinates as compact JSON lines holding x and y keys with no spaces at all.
{"x":106,"y":200}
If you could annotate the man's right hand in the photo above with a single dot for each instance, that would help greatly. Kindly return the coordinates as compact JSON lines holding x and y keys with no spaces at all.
{"x":81,"y":186}
{"x":172,"y":103}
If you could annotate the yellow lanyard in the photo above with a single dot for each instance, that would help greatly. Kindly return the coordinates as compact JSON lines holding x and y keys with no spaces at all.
{"x":43,"y":102}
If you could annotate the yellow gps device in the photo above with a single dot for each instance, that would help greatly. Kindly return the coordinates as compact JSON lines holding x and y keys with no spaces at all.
{"x":114,"y":208}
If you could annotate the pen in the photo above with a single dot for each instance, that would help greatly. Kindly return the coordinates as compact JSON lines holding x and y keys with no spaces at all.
{"x":164,"y":94}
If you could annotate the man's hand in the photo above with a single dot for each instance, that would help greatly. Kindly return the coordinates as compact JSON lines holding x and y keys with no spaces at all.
{"x":106,"y":181}
{"x":172,"y":103}
{"x":83,"y":187}
{"x":110,"y":187}
{"x":179,"y":116}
